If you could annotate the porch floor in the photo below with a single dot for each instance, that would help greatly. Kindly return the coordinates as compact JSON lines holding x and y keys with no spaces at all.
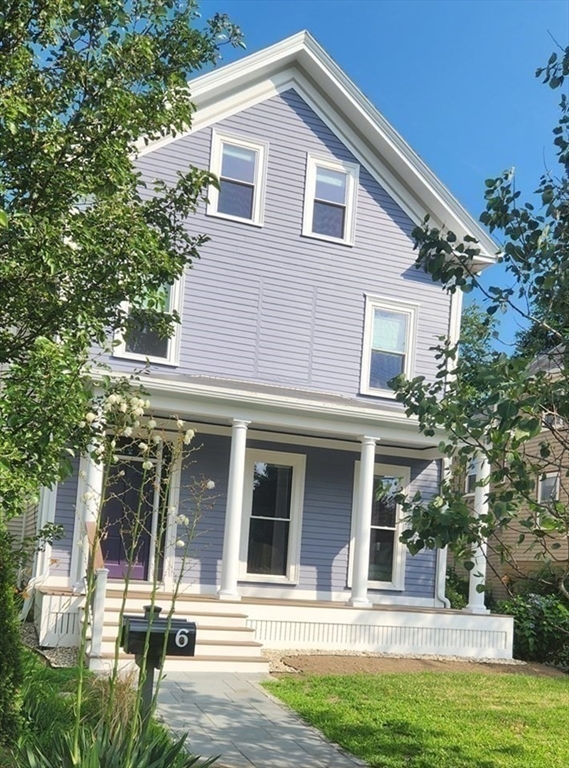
{"x":230,"y":715}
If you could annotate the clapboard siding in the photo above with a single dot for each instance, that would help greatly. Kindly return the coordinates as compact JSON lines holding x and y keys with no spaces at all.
{"x":326,"y":517}
{"x":270,"y":305}
{"x":65,"y":515}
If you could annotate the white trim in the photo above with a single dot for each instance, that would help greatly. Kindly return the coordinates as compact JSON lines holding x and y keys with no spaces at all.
{"x":282,"y":411}
{"x":352,"y":171}
{"x":411,"y":310}
{"x":237,"y":86}
{"x":218,"y":139}
{"x":298,"y":463}
{"x":169,"y":562}
{"x":399,"y":550}
{"x":173,"y":355}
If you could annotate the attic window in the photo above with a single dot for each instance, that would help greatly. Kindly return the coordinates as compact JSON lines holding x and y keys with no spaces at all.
{"x":239,"y":164}
{"x":330,"y":200}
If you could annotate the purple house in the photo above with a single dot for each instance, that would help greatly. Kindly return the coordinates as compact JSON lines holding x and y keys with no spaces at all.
{"x":305,"y":303}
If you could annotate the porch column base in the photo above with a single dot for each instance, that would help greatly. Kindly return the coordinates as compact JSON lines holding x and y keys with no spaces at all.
{"x":358,"y":603}
{"x":480,"y":609}
{"x":233,"y":597}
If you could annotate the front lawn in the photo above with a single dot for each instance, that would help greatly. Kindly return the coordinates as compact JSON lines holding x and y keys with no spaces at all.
{"x":442,"y":720}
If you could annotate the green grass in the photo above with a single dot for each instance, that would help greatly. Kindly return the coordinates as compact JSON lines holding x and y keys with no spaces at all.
{"x":438,"y":720}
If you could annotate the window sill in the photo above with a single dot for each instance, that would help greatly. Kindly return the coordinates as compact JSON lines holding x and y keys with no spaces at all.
{"x":237,"y":219}
{"x":327,"y":239}
{"x":260,"y":578}
{"x":146,"y":359}
{"x":388,"y":393}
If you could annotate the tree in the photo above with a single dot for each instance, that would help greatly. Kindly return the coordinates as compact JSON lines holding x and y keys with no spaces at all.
{"x":519,"y":418}
{"x":81,"y":82}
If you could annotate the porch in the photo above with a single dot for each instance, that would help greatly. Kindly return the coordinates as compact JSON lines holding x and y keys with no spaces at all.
{"x":231,"y":637}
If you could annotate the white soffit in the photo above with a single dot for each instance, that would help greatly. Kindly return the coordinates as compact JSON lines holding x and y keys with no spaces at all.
{"x":299,"y":62}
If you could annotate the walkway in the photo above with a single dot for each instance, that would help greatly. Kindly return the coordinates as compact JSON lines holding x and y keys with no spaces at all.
{"x":229,"y":715}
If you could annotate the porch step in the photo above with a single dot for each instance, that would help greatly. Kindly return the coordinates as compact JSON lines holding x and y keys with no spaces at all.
{"x":205,"y":633}
{"x":256,"y":665}
{"x":218,"y":619}
{"x":210,"y":648}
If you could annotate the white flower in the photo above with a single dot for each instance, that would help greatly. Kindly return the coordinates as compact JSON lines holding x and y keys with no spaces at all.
{"x":151,"y":424}
{"x":123,"y":407}
{"x":136,"y":423}
{"x":88,"y":496}
{"x":183,"y":520}
{"x":81,"y":424}
{"x":138,"y":412}
{"x":189,"y":436}
{"x":142,"y":447}
{"x":90,"y":417}
{"x":127,"y":431}
{"x":82,"y":474}
{"x":145,"y":403}
{"x":180,"y":543}
{"x":210,"y":485}
{"x":172,"y":509}
{"x":156,"y":439}
{"x":180,"y":424}
{"x":112,"y":399}
{"x":147,"y":464}
{"x":135,"y":401}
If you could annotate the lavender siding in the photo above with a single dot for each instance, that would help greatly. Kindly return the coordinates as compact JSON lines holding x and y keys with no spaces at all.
{"x":326,"y":517}
{"x":65,"y":515}
{"x":270,"y":305}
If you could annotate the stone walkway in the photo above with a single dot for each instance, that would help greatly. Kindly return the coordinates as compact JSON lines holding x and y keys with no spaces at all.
{"x":230,"y":715}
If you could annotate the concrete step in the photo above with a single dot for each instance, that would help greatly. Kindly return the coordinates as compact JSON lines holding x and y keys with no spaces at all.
{"x":229,"y":663}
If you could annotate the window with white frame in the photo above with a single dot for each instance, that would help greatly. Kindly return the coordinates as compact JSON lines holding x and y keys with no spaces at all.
{"x":330,"y":200}
{"x":548,"y":488}
{"x":273,"y":500}
{"x":470,"y":480}
{"x":239,"y":165}
{"x":389,"y":342}
{"x":146,"y":336}
{"x":386,"y":553}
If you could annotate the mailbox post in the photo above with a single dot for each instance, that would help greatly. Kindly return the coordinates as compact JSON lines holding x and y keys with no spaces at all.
{"x":176,"y":636}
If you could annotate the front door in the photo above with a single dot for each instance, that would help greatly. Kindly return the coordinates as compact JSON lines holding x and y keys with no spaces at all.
{"x":132,"y":536}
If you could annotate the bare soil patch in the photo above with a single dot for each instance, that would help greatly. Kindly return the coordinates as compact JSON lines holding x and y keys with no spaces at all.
{"x":350,"y":665}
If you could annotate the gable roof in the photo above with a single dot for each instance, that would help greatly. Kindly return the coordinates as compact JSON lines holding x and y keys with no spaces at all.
{"x":299,"y":62}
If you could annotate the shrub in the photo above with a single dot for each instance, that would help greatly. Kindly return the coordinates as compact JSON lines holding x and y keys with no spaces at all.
{"x":541,"y":628}
{"x":11,"y":670}
{"x":456,"y":589}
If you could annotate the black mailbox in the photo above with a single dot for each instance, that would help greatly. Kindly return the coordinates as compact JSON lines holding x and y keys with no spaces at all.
{"x":177,"y":636}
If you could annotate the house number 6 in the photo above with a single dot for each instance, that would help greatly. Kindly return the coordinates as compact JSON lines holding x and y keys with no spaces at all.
{"x":181,"y":638}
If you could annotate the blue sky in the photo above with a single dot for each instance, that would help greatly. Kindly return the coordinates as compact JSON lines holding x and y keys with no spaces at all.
{"x":454,"y":77}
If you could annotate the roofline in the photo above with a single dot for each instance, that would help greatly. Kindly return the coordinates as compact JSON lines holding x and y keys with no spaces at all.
{"x":303,"y":51}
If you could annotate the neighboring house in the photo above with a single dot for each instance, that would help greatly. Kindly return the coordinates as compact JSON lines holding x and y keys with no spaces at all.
{"x":304,"y":304}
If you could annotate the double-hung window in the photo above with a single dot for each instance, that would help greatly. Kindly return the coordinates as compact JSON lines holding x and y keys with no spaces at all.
{"x":389,"y":342}
{"x":386,"y":568}
{"x":273,"y":500}
{"x":470,"y":479}
{"x":146,"y":337}
{"x":330,"y":200}
{"x":239,"y":165}
{"x":548,"y":488}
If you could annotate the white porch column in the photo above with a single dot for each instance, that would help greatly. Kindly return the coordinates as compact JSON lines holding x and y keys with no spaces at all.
{"x":93,"y":491}
{"x":478,"y":573}
{"x":362,"y":534}
{"x":233,"y":512}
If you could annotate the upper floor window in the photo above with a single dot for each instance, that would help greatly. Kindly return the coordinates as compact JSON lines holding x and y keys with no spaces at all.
{"x":330,"y":200}
{"x":146,"y":336}
{"x":239,"y":165}
{"x":470,"y":480}
{"x":389,"y":340}
{"x":548,"y":488}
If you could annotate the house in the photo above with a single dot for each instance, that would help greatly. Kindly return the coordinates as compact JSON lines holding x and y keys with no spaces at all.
{"x":304,"y":304}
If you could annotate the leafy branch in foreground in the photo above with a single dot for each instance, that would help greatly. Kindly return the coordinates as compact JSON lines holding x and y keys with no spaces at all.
{"x":514,"y":411}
